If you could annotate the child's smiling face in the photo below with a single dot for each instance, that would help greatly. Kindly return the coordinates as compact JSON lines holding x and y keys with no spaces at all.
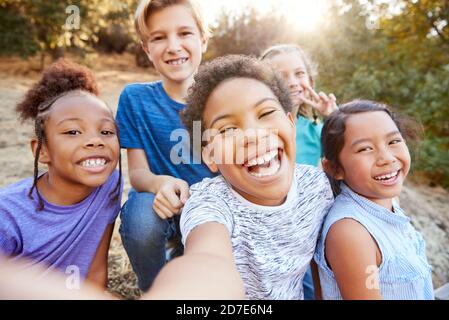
{"x":294,"y":72}
{"x":254,"y":142}
{"x":175,"y":44}
{"x":81,"y":146}
{"x":375,"y":159}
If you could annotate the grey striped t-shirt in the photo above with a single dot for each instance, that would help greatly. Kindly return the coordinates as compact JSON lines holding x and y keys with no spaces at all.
{"x":272,"y":246}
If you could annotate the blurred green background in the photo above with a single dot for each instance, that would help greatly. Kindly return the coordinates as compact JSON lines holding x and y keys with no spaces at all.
{"x":394,"y":51}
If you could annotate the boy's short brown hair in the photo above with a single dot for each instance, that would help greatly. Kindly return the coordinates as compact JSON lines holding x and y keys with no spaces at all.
{"x":148,"y":7}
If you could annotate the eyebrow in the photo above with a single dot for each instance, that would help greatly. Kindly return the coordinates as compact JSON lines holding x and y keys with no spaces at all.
{"x":159,"y":32}
{"x":79,"y":119}
{"x":224,"y":116}
{"x":393,"y":133}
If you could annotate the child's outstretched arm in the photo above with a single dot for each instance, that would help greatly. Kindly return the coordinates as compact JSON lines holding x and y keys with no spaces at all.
{"x":354,"y":259}
{"x":205,"y":271}
{"x":30,"y":285}
{"x":170,"y":193}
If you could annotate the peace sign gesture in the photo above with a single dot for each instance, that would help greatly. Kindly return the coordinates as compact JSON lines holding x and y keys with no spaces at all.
{"x":324,"y":104}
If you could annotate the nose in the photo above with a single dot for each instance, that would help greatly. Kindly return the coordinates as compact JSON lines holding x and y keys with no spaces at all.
{"x":255,"y":137}
{"x":174,"y":44}
{"x":385,"y":157}
{"x":292,"y":81}
{"x":94,"y":141}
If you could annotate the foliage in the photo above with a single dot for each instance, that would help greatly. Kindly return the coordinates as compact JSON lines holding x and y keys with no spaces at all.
{"x":395,"y":52}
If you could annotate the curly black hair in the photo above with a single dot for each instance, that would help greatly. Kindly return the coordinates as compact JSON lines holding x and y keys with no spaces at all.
{"x":58,"y":80}
{"x":213,"y":73}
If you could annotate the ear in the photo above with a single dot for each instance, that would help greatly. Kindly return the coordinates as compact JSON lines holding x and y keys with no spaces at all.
{"x":204,"y":43}
{"x":336,"y":173}
{"x":44,"y":157}
{"x":208,"y":158}
{"x":145,"y":48}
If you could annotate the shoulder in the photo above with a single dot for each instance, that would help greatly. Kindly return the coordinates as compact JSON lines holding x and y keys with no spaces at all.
{"x":210,"y":186}
{"x":111,"y":184}
{"x":210,"y":192}
{"x":344,"y":215}
{"x":16,"y":192}
{"x":304,"y":171}
{"x":208,"y":202}
{"x":137,"y":88}
{"x":113,"y":180}
{"x":311,"y":178}
{"x":15,"y":204}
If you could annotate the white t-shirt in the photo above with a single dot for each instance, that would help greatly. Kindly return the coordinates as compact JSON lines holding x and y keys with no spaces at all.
{"x":272,"y":246}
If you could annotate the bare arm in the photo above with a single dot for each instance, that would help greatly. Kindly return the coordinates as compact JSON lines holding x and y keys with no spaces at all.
{"x":29,"y":284}
{"x":170,"y":193}
{"x":352,"y":255}
{"x":98,"y":272}
{"x":140,"y":175}
{"x":205,"y":271}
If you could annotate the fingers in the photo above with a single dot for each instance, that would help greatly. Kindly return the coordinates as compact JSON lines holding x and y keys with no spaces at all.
{"x":163,"y":212}
{"x":184,"y":192}
{"x":323,"y":103}
{"x":311,"y":91}
{"x":311,"y":103}
{"x":171,"y":198}
{"x":324,"y":98}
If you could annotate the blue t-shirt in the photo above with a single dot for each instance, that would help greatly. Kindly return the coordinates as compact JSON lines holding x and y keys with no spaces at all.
{"x":58,"y":237}
{"x":149,"y":119}
{"x":308,"y":141}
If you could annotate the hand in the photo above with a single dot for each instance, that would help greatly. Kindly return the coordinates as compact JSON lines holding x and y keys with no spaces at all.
{"x":321,"y":102}
{"x":170,"y":197}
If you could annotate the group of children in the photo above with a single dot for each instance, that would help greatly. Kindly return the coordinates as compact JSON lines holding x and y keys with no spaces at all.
{"x":255,"y":216}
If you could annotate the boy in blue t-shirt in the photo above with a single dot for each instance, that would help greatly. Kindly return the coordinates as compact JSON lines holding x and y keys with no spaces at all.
{"x":160,"y":164}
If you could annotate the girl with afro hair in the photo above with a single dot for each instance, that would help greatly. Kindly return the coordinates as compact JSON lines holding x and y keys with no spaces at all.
{"x":63,"y":218}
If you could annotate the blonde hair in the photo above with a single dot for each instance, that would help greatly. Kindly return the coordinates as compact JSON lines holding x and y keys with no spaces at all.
{"x":311,"y":68}
{"x":148,"y":7}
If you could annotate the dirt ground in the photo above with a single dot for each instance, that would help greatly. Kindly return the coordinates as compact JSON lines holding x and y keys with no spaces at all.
{"x":427,"y":206}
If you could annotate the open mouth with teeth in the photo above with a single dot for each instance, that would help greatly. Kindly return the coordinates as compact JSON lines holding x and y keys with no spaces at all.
{"x":389,"y":178}
{"x":266,"y":165}
{"x":94,"y":164}
{"x":177,"y":62}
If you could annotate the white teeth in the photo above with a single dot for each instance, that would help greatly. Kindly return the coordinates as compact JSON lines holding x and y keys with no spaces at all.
{"x":252,"y":162}
{"x":177,"y":62}
{"x":272,"y":171}
{"x":91,"y":163}
{"x":260,"y":160}
{"x":267,"y":157}
{"x":387,"y":176}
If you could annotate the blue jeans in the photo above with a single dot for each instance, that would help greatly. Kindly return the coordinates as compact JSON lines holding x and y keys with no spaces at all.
{"x":145,"y":235}
{"x":307,"y":283}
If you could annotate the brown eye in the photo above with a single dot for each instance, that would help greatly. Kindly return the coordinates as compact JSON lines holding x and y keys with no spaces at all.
{"x":228,"y":129}
{"x":395,"y":141}
{"x":365,"y":149}
{"x":266,"y":113}
{"x":107,"y":132}
{"x":72,"y":132}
